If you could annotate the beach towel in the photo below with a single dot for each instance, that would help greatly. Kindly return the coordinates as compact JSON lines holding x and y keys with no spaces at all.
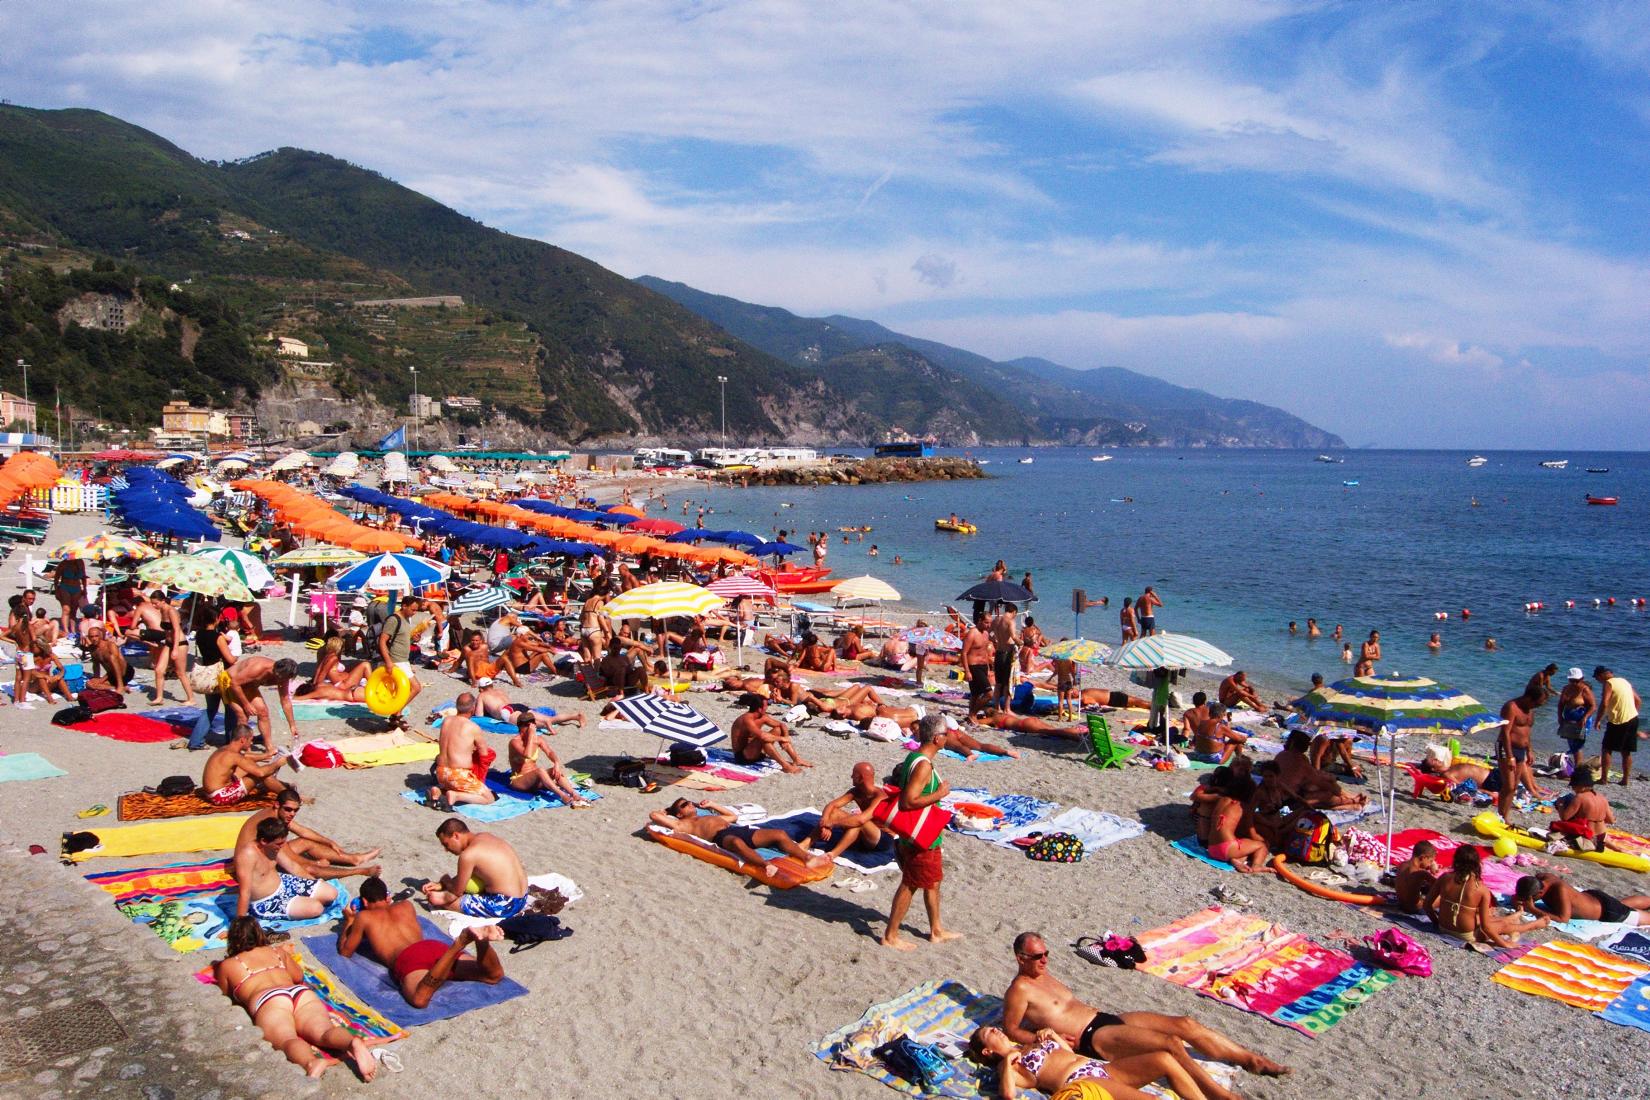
{"x":1094,"y":828}
{"x":166,"y":881}
{"x":319,"y":710}
{"x":1576,"y":973}
{"x":1501,"y":878}
{"x":934,"y":1012}
{"x":801,"y":824}
{"x":1250,"y":963}
{"x":510,"y":803}
{"x":181,"y":715}
{"x":372,"y":984}
{"x":458,"y":922}
{"x":348,"y":1009}
{"x":150,"y":838}
{"x":1017,"y":809}
{"x":1587,"y":931}
{"x":1633,"y":942}
{"x":1191,"y":846}
{"x":979,"y":757}
{"x":192,"y":922}
{"x":119,"y":726}
{"x":409,"y":753}
{"x":27,"y":765}
{"x":145,"y":806}
{"x":1631,"y":1008}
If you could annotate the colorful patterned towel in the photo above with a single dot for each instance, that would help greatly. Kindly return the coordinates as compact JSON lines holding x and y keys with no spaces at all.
{"x":1576,"y":973}
{"x":1631,"y":942}
{"x":932,"y":1011}
{"x":345,"y":1006}
{"x":510,"y":803}
{"x":1632,"y":1007}
{"x":1250,"y":963}
{"x":145,"y":806}
{"x":170,"y":880}
{"x":1018,"y":810}
{"x":191,"y":922}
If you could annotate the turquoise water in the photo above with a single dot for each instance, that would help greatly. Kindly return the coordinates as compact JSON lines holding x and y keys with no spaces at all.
{"x":1238,"y":543}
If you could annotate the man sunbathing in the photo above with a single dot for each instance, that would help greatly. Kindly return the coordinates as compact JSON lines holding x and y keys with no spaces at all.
{"x":462,"y":744}
{"x":721,"y":827}
{"x":1026,"y":723}
{"x":528,"y":774}
{"x":490,"y":881}
{"x":1116,"y":700}
{"x":419,"y":966}
{"x":493,"y":702}
{"x":1235,"y":692}
{"x":232,"y":772}
{"x":1309,"y":784}
{"x":756,"y":734}
{"x":1037,"y":1000}
{"x":1564,"y":902}
{"x":306,"y":852}
{"x":103,"y":654}
{"x":268,"y":884}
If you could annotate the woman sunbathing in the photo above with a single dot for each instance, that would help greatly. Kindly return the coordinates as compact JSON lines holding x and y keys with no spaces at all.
{"x":329,"y":669}
{"x":850,"y":646}
{"x":1026,"y":723}
{"x":1460,"y":905}
{"x":269,"y":983}
{"x":1050,"y":1064}
{"x":815,"y":655}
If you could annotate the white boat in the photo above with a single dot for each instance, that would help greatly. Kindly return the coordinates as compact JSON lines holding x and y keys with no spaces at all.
{"x":1477,"y":460}
{"x":1102,"y":458}
{"x":1027,"y":461}
{"x":1556,"y":464}
{"x":1328,"y":458}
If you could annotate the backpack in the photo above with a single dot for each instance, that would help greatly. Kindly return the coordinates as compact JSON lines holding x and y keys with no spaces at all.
{"x":1311,"y":838}
{"x":1393,"y":950}
{"x":687,"y":756}
{"x":174,"y":785}
{"x":98,"y":700}
{"x":630,"y":773}
{"x":1056,"y":848}
{"x":915,"y":1062}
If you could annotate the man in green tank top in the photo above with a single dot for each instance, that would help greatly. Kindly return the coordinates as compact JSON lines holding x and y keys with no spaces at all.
{"x":920,"y":869}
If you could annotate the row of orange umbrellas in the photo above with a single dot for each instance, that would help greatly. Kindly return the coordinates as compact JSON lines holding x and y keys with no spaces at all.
{"x":557,"y":527}
{"x":310,"y":517}
{"x":24,"y":472}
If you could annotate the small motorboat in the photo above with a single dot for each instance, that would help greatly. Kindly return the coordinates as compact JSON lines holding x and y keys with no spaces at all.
{"x":959,"y":527}
{"x":1598,"y":469}
{"x":1328,"y":458}
{"x":1102,"y":458}
{"x":1027,"y":461}
{"x":1349,"y":483}
{"x":1556,"y":464}
{"x":1607,"y":501}
{"x":1477,"y":460}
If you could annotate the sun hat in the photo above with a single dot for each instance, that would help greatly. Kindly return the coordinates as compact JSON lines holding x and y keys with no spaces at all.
{"x":1576,"y":674}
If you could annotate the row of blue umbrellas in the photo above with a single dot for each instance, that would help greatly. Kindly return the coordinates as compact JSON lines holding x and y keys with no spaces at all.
{"x":155,"y":501}
{"x":448,"y":526}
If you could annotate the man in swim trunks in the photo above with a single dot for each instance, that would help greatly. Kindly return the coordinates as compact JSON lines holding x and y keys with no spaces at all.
{"x":455,"y":775}
{"x":756,"y":734}
{"x":308,"y":852}
{"x":1026,"y":723}
{"x":1618,"y":709}
{"x":268,"y":883}
{"x":493,"y":702}
{"x":1037,"y":999}
{"x":1564,"y":902}
{"x":1312,"y":786}
{"x":490,"y":881}
{"x":1235,"y":692}
{"x":104,"y":655}
{"x":232,"y":773}
{"x":1512,"y":749}
{"x":241,"y":687}
{"x":1005,"y":640}
{"x":419,"y":966}
{"x":976,"y":658}
{"x":395,"y":646}
{"x":849,"y":812}
{"x":721,"y":827}
{"x":1116,"y":700}
{"x":1145,"y":611}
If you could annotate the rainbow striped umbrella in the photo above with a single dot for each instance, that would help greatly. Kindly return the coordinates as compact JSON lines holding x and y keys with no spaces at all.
{"x":1396,"y":704}
{"x":1080,"y":650}
{"x":740,"y":584}
{"x":104,"y":547}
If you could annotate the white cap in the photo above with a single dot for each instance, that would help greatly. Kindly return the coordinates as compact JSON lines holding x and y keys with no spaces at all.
{"x":485,"y":682}
{"x":1576,"y":674}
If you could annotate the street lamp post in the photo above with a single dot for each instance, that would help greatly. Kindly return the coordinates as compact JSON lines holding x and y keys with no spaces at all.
{"x":23,"y":365}
{"x":415,"y":406}
{"x":722,"y":380}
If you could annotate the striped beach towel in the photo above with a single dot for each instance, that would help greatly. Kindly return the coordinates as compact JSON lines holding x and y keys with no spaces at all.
{"x":1576,"y":973}
{"x":172,"y":880}
{"x":933,"y":1011}
{"x":345,"y":1007}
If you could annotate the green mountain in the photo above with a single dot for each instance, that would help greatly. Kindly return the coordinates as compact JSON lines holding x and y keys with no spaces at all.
{"x":1105,"y":405}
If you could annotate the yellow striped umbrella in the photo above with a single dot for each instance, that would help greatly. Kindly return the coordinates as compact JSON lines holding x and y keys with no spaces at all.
{"x":663,"y":600}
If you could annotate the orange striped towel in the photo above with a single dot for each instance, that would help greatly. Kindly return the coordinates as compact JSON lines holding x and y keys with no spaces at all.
{"x":1576,"y":973}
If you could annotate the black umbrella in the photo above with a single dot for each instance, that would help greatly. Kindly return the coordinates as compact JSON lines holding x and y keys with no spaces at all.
{"x":998,"y":591}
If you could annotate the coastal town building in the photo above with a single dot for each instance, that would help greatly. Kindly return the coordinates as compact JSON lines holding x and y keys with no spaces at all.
{"x":15,"y":410}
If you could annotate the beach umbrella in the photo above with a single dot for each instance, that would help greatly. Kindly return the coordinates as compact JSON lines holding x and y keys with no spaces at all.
{"x":248,"y":567}
{"x":656,"y":526}
{"x":741,"y":584}
{"x":663,"y":600}
{"x":103,"y":547}
{"x":482,"y":599}
{"x":307,"y":556}
{"x":1080,"y":650}
{"x":776,"y":549}
{"x":391,"y":573}
{"x":233,"y":464}
{"x":1169,"y":651}
{"x":865,"y":588}
{"x":201,"y":576}
{"x":934,"y":638}
{"x":482,"y":483}
{"x":670,"y":720}
{"x":998,"y":592}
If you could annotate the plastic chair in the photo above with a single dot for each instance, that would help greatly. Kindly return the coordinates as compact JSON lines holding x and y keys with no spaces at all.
{"x":1103,"y":752}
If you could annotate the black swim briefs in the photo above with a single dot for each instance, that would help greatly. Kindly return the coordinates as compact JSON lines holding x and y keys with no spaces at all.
{"x":1085,"y":1041}
{"x":1621,"y":736}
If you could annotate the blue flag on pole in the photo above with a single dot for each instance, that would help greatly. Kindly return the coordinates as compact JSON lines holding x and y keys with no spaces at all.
{"x":395,"y":441}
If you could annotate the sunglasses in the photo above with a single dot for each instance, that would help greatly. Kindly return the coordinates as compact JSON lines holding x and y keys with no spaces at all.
{"x":1039,"y":957}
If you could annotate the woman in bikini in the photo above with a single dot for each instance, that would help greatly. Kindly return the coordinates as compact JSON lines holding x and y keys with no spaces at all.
{"x":1460,"y":904}
{"x":1232,"y":836}
{"x":269,"y":983}
{"x":1049,"y":1064}
{"x":329,"y":669}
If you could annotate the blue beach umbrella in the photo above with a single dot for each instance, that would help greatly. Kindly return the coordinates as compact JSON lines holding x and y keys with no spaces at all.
{"x":392,"y":573}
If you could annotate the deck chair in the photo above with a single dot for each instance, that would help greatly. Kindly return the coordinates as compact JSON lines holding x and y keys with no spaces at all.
{"x":1103,"y":752}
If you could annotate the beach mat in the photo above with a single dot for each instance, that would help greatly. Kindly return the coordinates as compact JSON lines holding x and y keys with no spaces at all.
{"x":320,"y":711}
{"x":166,"y":881}
{"x":18,"y":766}
{"x":801,"y":824}
{"x":411,"y":753}
{"x":933,"y":1011}
{"x":200,"y":921}
{"x":372,"y":984}
{"x":346,"y":1007}
{"x":1631,"y":1008}
{"x":1578,"y":974}
{"x":134,"y":728}
{"x":148,"y":838}
{"x":1191,"y":846}
{"x":186,"y":717}
{"x":1252,"y":964}
{"x":1632,"y":942}
{"x":1094,"y":828}
{"x":510,"y":803}
{"x":146,"y":806}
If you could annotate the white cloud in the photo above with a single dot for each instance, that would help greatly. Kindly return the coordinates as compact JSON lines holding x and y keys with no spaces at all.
{"x":1444,"y":351}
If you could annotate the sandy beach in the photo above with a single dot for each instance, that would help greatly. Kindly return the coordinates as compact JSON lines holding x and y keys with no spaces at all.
{"x":684,"y":980}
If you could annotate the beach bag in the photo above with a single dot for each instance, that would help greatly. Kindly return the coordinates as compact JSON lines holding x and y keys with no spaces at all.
{"x":528,"y":930}
{"x":204,"y":678}
{"x":1056,"y":848}
{"x":1311,"y":839}
{"x":174,"y":785}
{"x":884,"y":729}
{"x":72,"y":716}
{"x":480,"y":760}
{"x":98,"y":700}
{"x":923,"y":827}
{"x":1393,"y":950}
{"x":319,"y":754}
{"x":915,"y":1062}
{"x":687,"y":756}
{"x":630,"y":773}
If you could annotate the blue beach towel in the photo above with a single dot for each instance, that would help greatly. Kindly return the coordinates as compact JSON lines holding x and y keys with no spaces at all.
{"x":371,"y":981}
{"x":27,"y":765}
{"x":1194,"y":847}
{"x":801,"y":824}
{"x":510,"y":803}
{"x":1631,"y":1008}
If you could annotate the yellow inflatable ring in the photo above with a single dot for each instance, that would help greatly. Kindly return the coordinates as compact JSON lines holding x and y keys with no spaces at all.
{"x":387,"y":691}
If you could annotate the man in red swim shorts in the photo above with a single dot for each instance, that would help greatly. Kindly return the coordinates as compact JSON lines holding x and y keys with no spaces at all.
{"x":420,"y":966}
{"x":920,"y":868}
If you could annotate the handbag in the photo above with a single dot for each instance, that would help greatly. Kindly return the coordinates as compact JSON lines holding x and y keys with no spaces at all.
{"x":204,"y":678}
{"x":923,"y":827}
{"x":1393,"y":950}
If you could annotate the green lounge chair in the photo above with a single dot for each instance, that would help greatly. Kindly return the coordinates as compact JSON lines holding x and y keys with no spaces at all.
{"x":1103,"y":752}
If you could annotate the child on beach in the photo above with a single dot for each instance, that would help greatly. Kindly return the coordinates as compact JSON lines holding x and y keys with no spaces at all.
{"x":1586,"y":814}
{"x":1069,"y":701}
{"x":1461,"y":905}
{"x":1413,"y":878}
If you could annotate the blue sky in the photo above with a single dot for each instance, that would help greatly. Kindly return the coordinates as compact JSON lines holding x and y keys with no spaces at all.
{"x":1414,"y":224}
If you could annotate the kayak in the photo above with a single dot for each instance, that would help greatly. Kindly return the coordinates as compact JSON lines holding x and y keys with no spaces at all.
{"x":959,"y":527}
{"x":1489,"y":824}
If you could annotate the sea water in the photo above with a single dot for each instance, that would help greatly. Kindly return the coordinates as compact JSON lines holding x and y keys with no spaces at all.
{"x":1239,"y":542}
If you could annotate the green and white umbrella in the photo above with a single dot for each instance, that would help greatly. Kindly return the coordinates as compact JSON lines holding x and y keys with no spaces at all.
{"x":247,"y":566}
{"x":202,"y":576}
{"x":1170,"y":651}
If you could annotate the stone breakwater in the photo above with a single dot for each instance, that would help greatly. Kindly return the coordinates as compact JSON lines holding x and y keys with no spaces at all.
{"x":869,"y":471}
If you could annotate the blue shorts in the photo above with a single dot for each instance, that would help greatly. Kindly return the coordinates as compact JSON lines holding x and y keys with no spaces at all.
{"x":1148,"y":623}
{"x":274,"y":907}
{"x":491,"y":906}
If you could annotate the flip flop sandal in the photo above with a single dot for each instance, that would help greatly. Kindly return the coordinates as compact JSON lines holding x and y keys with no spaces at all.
{"x":93,"y":811}
{"x":388,"y":1059}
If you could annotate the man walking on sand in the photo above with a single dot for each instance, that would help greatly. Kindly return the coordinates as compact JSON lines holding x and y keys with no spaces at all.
{"x":920,"y":868}
{"x":1145,"y":611}
{"x":1618,"y":708}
